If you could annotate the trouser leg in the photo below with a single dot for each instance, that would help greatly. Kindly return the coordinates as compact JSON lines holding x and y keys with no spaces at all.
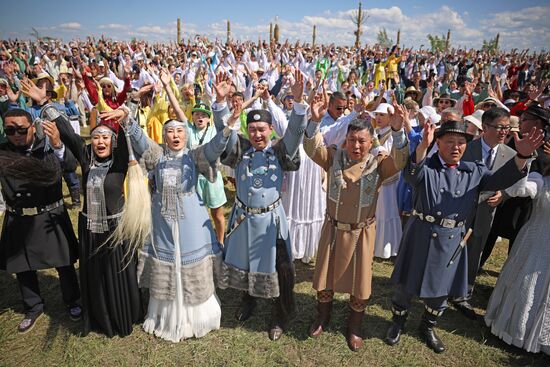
{"x":488,"y":248}
{"x":30,"y":292}
{"x":69,"y":284}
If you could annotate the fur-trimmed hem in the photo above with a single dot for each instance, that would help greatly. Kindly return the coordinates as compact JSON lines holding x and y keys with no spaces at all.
{"x":198,"y":279}
{"x":262,"y":285}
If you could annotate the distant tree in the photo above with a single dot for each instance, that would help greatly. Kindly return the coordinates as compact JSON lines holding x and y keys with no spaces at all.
{"x":358,"y":18}
{"x":437,"y":43}
{"x":490,"y":46}
{"x":383,"y":39}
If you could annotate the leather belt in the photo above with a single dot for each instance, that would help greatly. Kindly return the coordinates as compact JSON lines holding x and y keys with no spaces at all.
{"x":36,"y":210}
{"x":443,"y":222}
{"x":350,"y":226}
{"x":250,"y":210}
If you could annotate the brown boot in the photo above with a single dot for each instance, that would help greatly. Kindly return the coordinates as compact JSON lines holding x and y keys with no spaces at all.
{"x":324,"y":310}
{"x":353,"y":335}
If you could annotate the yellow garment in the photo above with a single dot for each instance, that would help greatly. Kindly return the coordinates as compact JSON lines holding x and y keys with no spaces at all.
{"x":101,"y":105}
{"x":379,"y":73}
{"x":61,"y":90}
{"x":158,"y":115}
{"x":392,"y":65}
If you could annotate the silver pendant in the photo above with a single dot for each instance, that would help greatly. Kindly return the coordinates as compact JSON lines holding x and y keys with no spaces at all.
{"x":258,"y":182}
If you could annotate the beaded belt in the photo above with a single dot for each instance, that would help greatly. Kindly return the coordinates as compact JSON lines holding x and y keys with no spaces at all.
{"x":36,"y":210}
{"x":443,"y":222}
{"x":350,"y":226}
{"x":250,"y":210}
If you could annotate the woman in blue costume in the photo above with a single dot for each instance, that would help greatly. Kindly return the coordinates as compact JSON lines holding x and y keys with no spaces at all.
{"x":180,"y":263}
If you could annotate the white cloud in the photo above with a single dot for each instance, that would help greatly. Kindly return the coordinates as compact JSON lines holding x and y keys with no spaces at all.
{"x":114,"y":26}
{"x":71,"y":26}
{"x":526,"y":28}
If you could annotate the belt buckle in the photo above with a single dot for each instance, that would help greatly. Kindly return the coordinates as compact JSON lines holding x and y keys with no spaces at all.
{"x":448,"y":223}
{"x":429,"y":218}
{"x":343,"y":226}
{"x":29,"y":211}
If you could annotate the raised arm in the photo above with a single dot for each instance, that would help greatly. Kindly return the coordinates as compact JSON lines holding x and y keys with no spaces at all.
{"x":165,"y":79}
{"x":298,"y":118}
{"x":313,"y":141}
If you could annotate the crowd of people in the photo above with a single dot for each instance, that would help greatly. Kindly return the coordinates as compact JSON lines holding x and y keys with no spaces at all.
{"x":336,"y":154}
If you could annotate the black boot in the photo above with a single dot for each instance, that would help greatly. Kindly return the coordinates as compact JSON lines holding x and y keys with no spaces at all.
{"x":277,"y":321}
{"x":75,"y":198}
{"x":427,"y":332}
{"x":244,"y":311}
{"x":393,"y":335}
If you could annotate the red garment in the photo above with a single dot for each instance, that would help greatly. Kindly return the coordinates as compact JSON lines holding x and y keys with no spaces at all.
{"x":518,"y":108}
{"x":112,"y":103}
{"x":468,"y":106}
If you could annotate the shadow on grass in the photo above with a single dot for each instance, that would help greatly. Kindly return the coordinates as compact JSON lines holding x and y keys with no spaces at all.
{"x":60,"y":326}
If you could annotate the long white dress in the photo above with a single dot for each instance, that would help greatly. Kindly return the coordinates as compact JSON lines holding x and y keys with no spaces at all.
{"x":388,"y":221}
{"x":303,"y":200}
{"x":519,"y":308}
{"x":302,"y":196}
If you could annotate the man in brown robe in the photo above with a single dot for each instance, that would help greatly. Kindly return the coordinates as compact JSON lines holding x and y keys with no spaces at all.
{"x":344,"y":258}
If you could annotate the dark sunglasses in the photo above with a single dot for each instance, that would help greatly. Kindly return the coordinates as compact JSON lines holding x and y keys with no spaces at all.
{"x":340,"y":108}
{"x":11,"y":130}
{"x":489,"y":105}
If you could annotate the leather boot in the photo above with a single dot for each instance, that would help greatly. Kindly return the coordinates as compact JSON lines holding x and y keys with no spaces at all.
{"x":75,"y":198}
{"x":324,"y":310}
{"x":248,"y":303}
{"x":277,"y":321}
{"x":353,"y":335}
{"x":393,"y":335}
{"x":426,"y":328}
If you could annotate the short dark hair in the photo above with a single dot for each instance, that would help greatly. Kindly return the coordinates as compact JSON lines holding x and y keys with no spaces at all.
{"x":337,"y":95}
{"x":360,"y":124}
{"x":17,"y":112}
{"x":494,"y":114}
{"x":238,"y":94}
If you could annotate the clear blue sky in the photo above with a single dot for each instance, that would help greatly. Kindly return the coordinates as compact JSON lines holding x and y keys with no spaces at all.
{"x":521,"y":23}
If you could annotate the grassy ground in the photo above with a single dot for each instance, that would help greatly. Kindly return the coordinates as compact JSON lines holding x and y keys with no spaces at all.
{"x":55,"y":340}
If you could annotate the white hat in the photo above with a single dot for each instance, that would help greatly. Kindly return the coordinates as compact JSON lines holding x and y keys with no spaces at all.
{"x":495,"y":101}
{"x":382,"y":108}
{"x":510,"y":101}
{"x":430,"y":114}
{"x":475,"y":119}
{"x":100,"y":63}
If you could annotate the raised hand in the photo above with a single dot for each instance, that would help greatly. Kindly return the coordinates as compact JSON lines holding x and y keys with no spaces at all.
{"x":397,"y":116}
{"x":428,"y":134}
{"x":531,"y":141}
{"x":222,"y":86}
{"x":535,"y":94}
{"x":297,"y":88}
{"x":115,"y":115}
{"x":165,"y":77}
{"x":31,"y":90}
{"x":318,"y":110}
{"x":13,"y":97}
{"x":546,"y":147}
{"x":50,"y":129}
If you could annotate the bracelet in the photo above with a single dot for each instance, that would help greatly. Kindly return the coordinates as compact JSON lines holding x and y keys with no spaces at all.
{"x":524,"y":156}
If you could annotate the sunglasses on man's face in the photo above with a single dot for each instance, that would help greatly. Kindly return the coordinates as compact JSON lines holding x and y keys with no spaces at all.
{"x":11,"y":130}
{"x":444,"y":101}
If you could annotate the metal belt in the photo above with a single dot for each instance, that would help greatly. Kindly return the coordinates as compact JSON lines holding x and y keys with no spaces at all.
{"x":250,"y":210}
{"x":113,"y":216}
{"x":350,"y":226}
{"x":443,"y":222}
{"x":36,"y":210}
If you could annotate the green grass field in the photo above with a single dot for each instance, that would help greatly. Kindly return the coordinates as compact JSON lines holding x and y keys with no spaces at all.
{"x":56,"y":340}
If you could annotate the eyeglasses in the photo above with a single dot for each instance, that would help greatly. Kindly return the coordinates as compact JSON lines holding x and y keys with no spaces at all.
{"x":108,"y":86}
{"x":500,"y":127}
{"x":340,"y":108}
{"x":11,"y":130}
{"x":444,"y":101}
